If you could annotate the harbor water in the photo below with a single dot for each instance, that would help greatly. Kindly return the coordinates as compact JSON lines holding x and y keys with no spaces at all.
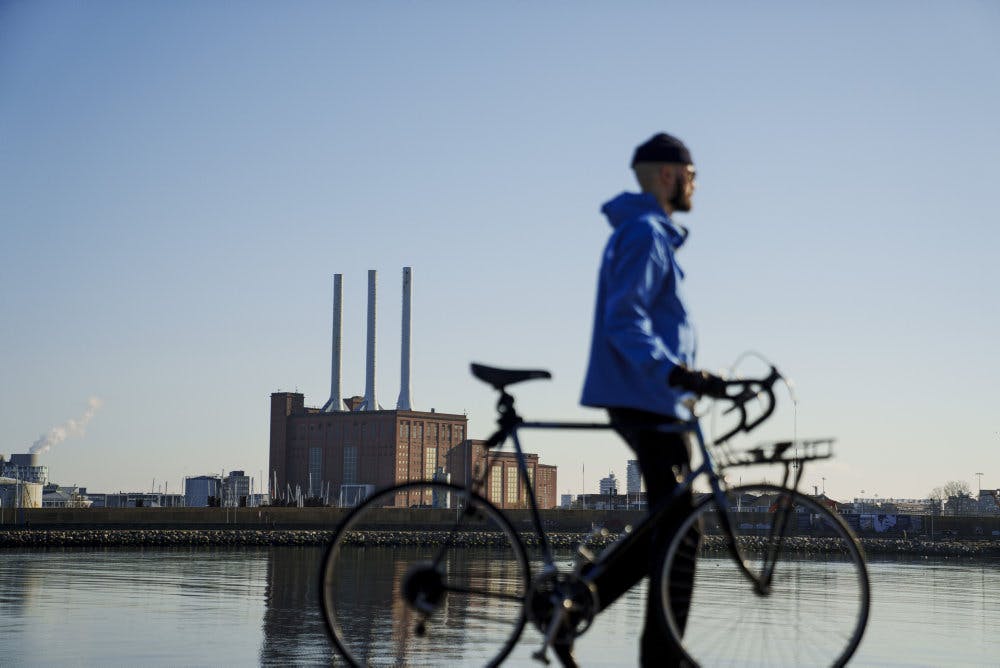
{"x":244,"y":606}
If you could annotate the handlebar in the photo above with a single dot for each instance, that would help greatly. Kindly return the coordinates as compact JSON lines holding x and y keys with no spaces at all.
{"x":749,"y":390}
{"x":739,"y":393}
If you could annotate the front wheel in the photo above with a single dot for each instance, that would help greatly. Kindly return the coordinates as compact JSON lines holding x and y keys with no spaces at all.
{"x":424,"y":573}
{"x":806,"y":602}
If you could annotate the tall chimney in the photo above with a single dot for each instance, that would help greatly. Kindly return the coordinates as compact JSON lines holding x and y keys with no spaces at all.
{"x":333,"y":404}
{"x":404,"y":357}
{"x":371,"y":404}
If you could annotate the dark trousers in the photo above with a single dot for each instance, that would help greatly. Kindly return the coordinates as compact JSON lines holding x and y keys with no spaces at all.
{"x":661,"y":457}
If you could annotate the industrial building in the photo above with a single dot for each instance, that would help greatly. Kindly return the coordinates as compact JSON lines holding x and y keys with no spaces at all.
{"x":502,"y":485}
{"x":24,"y":467}
{"x":135,"y":500}
{"x":203,"y":491}
{"x":22,"y":480}
{"x":19,"y":494}
{"x":350,"y":446}
{"x":61,"y":496}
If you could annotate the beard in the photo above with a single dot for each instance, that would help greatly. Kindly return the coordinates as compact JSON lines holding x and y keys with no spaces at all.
{"x":680,"y":200}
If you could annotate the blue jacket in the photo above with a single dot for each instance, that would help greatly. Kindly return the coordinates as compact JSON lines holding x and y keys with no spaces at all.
{"x":641,"y":326}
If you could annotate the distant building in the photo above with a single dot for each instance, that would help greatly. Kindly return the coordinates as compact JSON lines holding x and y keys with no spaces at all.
{"x":907,"y":506}
{"x":352,"y":444}
{"x":545,"y":485}
{"x":19,"y":494}
{"x":609,"y":485}
{"x":313,"y":452}
{"x":24,"y":467}
{"x":503,"y":485}
{"x":134,"y":500}
{"x":203,"y":491}
{"x":962,"y":504}
{"x":989,"y":502}
{"x":633,"y":477}
{"x":236,"y":490}
{"x":54,"y":496}
{"x":345,"y":453}
{"x":602,"y":502}
{"x":259,"y":499}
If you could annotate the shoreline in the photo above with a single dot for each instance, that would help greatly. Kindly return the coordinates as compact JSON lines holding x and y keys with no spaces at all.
{"x":45,"y":538}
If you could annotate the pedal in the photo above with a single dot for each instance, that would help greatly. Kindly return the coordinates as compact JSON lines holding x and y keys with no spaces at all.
{"x":541,"y":657}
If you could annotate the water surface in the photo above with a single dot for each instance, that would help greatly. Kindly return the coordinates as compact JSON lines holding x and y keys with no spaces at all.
{"x":211,"y":606}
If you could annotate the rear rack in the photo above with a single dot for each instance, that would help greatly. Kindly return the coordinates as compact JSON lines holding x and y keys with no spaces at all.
{"x":778,"y":452}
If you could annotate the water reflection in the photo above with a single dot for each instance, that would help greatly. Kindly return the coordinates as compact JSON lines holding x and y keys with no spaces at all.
{"x":129,"y":607}
{"x":470,"y":624}
{"x":293,"y":624}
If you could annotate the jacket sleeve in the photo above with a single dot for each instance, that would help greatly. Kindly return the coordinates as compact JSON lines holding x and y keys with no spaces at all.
{"x":637,"y":268}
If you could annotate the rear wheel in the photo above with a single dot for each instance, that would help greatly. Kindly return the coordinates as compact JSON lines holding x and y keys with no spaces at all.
{"x":424,"y":573}
{"x":810,"y":611}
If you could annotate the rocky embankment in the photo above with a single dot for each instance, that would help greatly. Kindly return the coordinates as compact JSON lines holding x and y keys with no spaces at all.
{"x":159,"y":537}
{"x":808,"y":546}
{"x":40,"y":538}
{"x":260,"y":537}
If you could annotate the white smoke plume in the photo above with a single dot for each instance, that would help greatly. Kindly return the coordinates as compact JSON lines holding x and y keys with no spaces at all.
{"x":69,"y":428}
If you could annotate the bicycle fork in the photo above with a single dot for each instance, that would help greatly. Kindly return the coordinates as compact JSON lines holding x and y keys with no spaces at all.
{"x":778,"y":533}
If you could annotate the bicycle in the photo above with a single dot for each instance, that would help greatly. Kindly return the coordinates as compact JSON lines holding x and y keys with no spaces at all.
{"x":767,"y":576}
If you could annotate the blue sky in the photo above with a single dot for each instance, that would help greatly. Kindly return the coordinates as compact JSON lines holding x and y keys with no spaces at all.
{"x":180,"y":181}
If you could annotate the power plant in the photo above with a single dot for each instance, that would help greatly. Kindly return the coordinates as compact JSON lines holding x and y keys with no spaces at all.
{"x":352,"y":445}
{"x":22,"y":480}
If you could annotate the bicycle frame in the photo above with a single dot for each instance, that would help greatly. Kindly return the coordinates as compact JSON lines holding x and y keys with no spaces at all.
{"x":512,"y":423}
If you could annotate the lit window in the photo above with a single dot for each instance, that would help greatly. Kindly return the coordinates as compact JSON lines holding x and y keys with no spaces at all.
{"x":511,"y":484}
{"x":496,"y":484}
{"x":430,"y":462}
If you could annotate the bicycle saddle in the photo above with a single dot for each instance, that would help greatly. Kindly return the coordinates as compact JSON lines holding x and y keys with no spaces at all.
{"x":501,"y":378}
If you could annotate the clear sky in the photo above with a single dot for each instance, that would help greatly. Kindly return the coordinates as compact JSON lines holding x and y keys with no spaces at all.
{"x":180,"y":181}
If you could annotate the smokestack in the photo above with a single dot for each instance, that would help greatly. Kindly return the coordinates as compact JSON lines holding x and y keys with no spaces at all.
{"x":333,"y":404}
{"x":370,"y":404}
{"x":404,"y":358}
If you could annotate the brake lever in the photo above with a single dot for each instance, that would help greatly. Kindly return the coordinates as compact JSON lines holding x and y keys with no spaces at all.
{"x":766,"y":386}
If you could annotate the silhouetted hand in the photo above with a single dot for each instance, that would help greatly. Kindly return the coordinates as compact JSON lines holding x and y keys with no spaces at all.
{"x":701,"y":383}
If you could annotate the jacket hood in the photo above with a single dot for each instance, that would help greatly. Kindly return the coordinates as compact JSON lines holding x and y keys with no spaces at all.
{"x":629,"y":206}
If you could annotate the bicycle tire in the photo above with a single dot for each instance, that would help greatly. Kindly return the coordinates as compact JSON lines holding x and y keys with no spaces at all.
{"x":464,"y":564}
{"x":816,"y":608}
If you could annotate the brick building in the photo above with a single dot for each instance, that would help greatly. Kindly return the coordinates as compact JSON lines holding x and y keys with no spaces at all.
{"x":314,"y":453}
{"x":317,"y":452}
{"x":503,"y":486}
